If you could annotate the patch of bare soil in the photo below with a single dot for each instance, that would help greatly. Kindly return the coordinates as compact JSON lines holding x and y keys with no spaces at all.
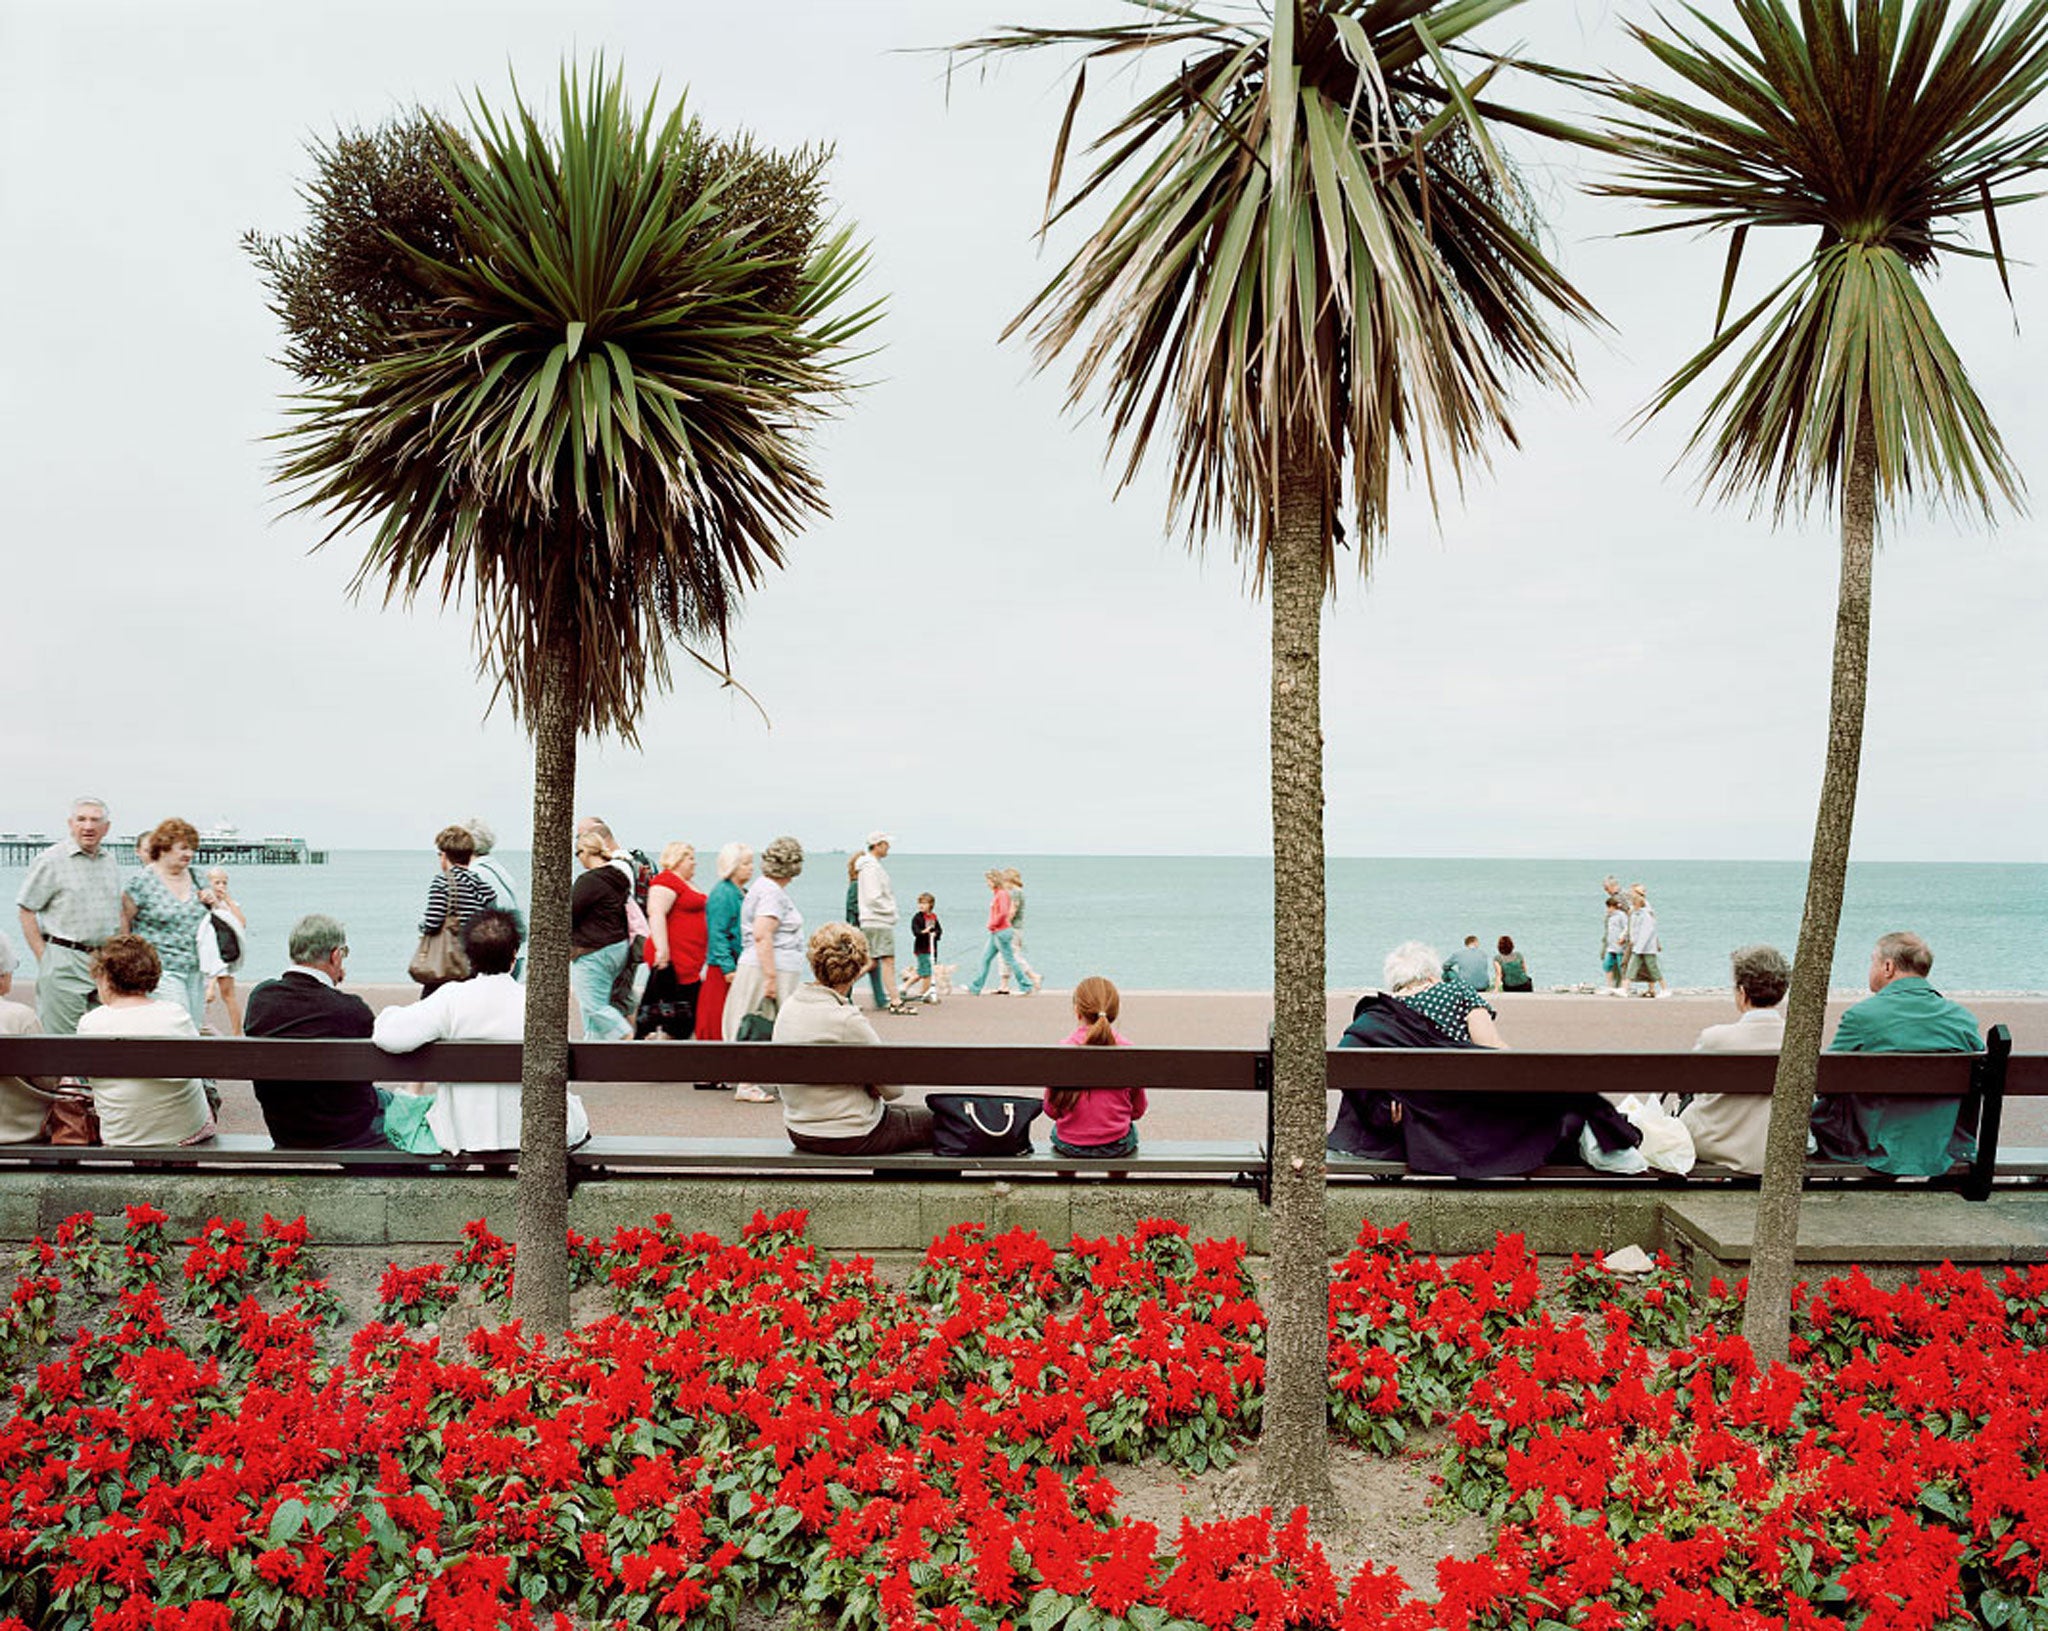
{"x":1387,"y":1516}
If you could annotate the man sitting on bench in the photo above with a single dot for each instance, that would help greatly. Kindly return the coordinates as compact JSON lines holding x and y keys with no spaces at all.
{"x":1912,"y":1137}
{"x":307,"y":1002}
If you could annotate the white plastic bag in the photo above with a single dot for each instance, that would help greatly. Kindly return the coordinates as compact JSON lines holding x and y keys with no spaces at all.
{"x":1667,"y":1143}
{"x":1622,"y":1163}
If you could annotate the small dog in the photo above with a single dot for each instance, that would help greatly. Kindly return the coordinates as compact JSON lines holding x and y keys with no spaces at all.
{"x":942,"y":979}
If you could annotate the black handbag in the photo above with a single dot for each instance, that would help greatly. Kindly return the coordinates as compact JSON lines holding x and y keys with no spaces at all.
{"x":226,"y":940}
{"x":982,"y":1123}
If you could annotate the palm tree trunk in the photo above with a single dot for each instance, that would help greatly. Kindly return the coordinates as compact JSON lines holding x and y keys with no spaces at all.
{"x":1294,"y":1446}
{"x":541,"y":1284}
{"x":1767,"y":1315}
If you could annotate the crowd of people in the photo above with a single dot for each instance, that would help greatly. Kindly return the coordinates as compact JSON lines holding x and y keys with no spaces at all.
{"x":651,"y":956}
{"x":654,"y":956}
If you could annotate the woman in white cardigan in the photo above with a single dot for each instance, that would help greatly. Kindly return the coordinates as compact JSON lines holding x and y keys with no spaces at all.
{"x":490,"y":1006}
{"x":841,"y":1118}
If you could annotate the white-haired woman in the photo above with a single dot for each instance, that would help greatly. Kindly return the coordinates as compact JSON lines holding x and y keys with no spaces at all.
{"x":722,"y":939}
{"x":772,"y":960}
{"x":1414,"y":974}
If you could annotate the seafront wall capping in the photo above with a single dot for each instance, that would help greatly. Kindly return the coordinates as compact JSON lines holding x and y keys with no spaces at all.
{"x":409,"y":1219}
{"x":883,"y":1218}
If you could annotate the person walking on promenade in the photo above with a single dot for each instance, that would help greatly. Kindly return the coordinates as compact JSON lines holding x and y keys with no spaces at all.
{"x":675,"y":948}
{"x":455,"y":889}
{"x":598,"y":941}
{"x":1013,"y":882}
{"x":925,"y":934}
{"x":999,"y":913}
{"x":1909,"y":1137}
{"x":504,"y":891}
{"x":1510,"y":967}
{"x":218,"y":968}
{"x":877,"y":922}
{"x":722,"y":942}
{"x":1095,"y":1121}
{"x":772,"y":954}
{"x":68,"y":904}
{"x":1614,"y":945}
{"x":164,"y":904}
{"x":1729,"y":1129}
{"x":1644,"y":945}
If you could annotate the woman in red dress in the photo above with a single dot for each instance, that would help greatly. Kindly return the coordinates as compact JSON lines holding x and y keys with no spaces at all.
{"x":675,"y":947}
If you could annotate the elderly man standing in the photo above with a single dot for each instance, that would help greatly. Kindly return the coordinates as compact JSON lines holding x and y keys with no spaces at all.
{"x":878,"y":921}
{"x":1915,"y":1137}
{"x":70,"y":902}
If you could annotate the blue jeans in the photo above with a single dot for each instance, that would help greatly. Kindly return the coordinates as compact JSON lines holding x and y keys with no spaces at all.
{"x":591,"y":977}
{"x":998,"y":941}
{"x":1127,"y":1145}
{"x":188,"y":988}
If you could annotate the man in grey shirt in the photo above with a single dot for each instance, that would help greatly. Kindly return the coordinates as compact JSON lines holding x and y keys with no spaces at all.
{"x":70,"y":902}
{"x":1470,"y":964}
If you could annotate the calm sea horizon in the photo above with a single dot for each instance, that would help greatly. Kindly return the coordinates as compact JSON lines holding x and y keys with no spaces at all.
{"x":1204,"y":923}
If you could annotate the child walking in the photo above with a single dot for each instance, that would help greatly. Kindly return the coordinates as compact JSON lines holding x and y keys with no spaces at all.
{"x":1095,"y":1121}
{"x":925,"y":931}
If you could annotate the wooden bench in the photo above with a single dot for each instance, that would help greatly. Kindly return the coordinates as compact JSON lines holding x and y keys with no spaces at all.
{"x":1984,"y":1081}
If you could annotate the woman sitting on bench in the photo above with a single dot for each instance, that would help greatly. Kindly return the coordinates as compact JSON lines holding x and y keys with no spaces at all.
{"x":142,"y":1109}
{"x":850,"y":1118}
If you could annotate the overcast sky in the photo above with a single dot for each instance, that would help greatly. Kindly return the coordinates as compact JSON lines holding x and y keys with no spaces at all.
{"x":981,"y":649}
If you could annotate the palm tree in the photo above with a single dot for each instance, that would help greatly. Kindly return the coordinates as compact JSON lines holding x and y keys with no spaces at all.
{"x":1317,"y":261}
{"x":1881,"y":130}
{"x":579,"y":394}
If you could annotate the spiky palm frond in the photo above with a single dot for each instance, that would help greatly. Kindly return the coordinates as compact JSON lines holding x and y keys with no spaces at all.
{"x":599,"y":424}
{"x":1884,"y":130}
{"x":1317,"y":250}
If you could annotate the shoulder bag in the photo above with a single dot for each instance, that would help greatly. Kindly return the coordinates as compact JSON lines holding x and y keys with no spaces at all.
{"x":227,"y":939}
{"x":440,"y":956}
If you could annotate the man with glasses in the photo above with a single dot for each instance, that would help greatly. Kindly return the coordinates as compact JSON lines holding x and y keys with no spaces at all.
{"x":70,"y":902}
{"x":306,"y":1002}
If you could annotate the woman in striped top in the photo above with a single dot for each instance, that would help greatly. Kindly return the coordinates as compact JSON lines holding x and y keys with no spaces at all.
{"x":455,"y":888}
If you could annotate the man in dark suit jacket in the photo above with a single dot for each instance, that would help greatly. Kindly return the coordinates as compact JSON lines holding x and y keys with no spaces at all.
{"x":307,"y":1001}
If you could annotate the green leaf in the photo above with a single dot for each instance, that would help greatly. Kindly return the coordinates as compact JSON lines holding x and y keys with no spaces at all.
{"x":573,"y":339}
{"x":286,"y":1522}
{"x":1048,"y":1608}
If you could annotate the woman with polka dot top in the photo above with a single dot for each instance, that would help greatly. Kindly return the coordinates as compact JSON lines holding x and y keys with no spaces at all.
{"x":1415,"y":976}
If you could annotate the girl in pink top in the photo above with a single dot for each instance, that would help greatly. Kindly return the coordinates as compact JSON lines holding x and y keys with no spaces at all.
{"x":1095,"y":1121}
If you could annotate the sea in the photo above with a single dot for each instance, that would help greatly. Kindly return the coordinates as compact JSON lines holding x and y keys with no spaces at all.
{"x":1204,"y":923}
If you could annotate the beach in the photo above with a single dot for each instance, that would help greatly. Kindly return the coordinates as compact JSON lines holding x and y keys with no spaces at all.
{"x":1533,"y":1022}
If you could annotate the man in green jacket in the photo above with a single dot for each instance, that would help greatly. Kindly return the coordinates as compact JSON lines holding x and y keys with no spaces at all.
{"x":1904,"y":1014}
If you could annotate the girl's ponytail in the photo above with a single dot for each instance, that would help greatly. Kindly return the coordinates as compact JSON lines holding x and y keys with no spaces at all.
{"x":1096,"y":1004}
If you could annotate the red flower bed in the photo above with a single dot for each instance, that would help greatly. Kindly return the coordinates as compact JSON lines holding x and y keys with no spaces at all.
{"x":753,"y":1423}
